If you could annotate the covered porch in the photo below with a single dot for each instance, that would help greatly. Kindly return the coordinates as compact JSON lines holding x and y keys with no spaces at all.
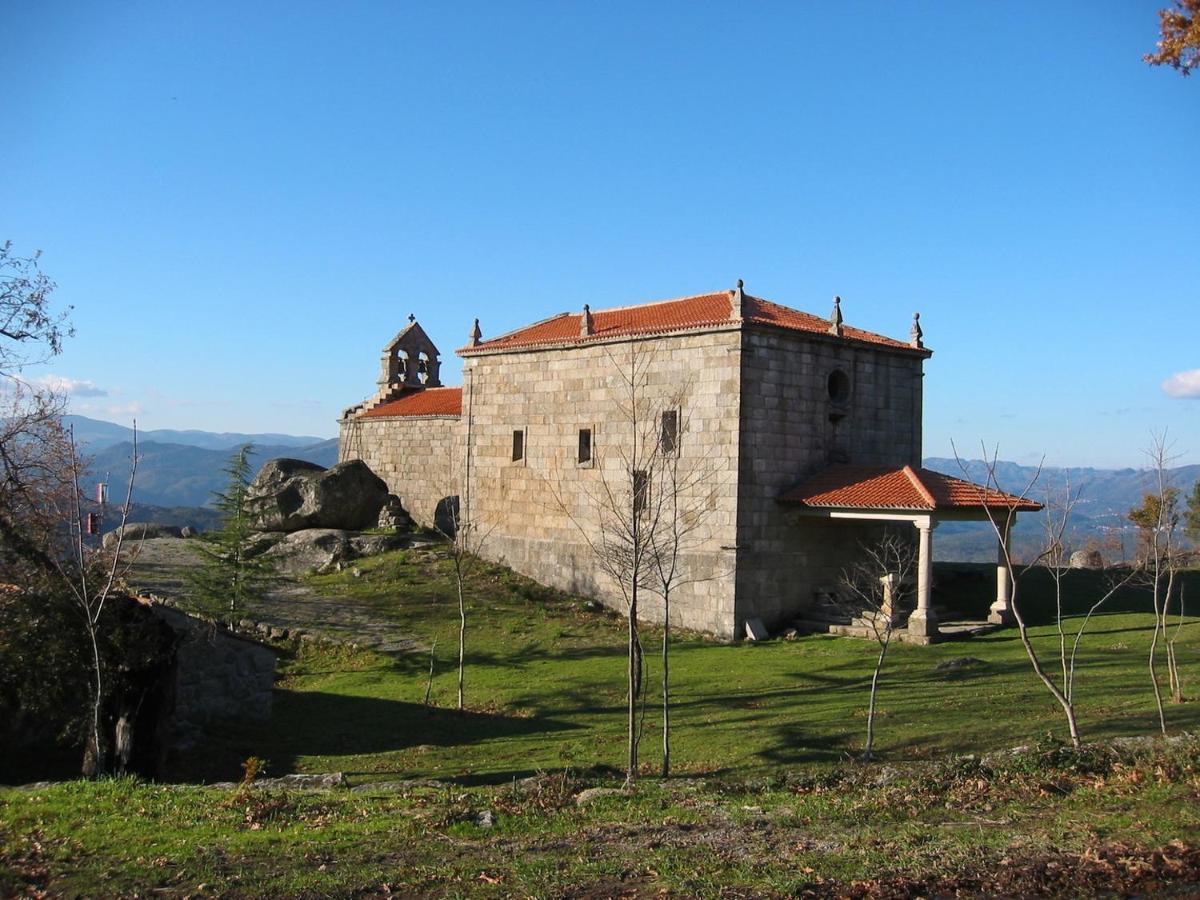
{"x":924,"y":499}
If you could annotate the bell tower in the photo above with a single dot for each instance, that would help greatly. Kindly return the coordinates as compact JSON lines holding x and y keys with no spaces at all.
{"x":410,"y":360}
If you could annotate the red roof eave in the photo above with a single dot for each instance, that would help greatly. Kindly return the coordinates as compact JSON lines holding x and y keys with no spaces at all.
{"x":699,"y":313}
{"x":904,"y":489}
{"x":420,"y":402}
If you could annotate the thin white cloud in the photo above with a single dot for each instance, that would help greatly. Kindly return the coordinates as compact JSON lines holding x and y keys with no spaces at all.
{"x":133,"y":408}
{"x":1183,"y":384}
{"x":73,"y":386}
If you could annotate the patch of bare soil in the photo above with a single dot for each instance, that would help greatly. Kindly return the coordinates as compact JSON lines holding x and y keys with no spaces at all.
{"x":1110,"y":870}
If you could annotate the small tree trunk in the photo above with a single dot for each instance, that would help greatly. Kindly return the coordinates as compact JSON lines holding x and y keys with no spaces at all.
{"x":666,"y":686}
{"x":97,"y":763}
{"x":634,"y":683}
{"x":1158,"y":607}
{"x":462,"y":641}
{"x":1178,"y":682}
{"x":429,"y":680}
{"x":1169,"y":644}
{"x":868,"y":750}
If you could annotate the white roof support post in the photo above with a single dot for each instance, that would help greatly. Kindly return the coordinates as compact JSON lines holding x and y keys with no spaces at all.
{"x":1001,"y":612}
{"x":923,"y":622}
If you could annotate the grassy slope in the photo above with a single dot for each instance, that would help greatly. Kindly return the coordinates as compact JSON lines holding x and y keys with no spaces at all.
{"x":1044,"y":822}
{"x":545,"y":688}
{"x":774,"y":720}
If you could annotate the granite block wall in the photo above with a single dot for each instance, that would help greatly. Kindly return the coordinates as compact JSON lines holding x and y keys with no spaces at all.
{"x":546,"y":511}
{"x":797,"y":417}
{"x":418,"y":456}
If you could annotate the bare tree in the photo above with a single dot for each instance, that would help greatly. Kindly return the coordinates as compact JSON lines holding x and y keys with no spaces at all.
{"x":1001,"y":510}
{"x":466,"y":541}
{"x":1158,"y":520}
{"x":873,"y":587}
{"x":92,"y":578}
{"x":1055,"y":557}
{"x":625,"y":511}
{"x":31,"y":332}
{"x":40,"y":474}
{"x":686,"y":491}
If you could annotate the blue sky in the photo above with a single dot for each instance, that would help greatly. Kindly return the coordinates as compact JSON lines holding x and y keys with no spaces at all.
{"x":244,"y":202}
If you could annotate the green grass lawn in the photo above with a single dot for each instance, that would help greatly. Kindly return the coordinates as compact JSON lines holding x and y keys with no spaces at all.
{"x":546,"y":687}
{"x":769,"y":803}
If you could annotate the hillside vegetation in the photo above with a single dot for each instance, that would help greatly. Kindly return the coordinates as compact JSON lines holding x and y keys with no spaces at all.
{"x":498,"y":801}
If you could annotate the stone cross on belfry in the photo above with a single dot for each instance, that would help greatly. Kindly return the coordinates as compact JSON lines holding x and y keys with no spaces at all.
{"x":412,"y":317}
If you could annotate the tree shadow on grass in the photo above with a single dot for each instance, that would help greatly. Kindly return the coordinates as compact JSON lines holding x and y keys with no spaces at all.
{"x":311,"y":723}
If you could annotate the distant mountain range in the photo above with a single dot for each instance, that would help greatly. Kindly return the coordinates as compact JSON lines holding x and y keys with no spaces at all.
{"x":95,"y":435}
{"x":178,"y":471}
{"x":1105,"y":498}
{"x":179,"y":468}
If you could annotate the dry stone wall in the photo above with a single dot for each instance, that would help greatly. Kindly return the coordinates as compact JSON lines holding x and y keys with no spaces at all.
{"x":220,"y":678}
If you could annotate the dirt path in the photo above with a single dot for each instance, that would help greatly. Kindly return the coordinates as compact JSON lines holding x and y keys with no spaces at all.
{"x":158,"y":567}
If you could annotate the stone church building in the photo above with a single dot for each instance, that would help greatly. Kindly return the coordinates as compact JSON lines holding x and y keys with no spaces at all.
{"x":802,"y":435}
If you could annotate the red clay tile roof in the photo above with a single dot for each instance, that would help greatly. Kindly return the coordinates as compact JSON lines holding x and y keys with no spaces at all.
{"x":885,"y":487}
{"x":664,"y":316}
{"x":439,"y":401}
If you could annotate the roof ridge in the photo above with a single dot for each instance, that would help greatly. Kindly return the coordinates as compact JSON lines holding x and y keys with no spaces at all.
{"x":658,"y":302}
{"x":915,"y":479}
{"x":524,"y":328}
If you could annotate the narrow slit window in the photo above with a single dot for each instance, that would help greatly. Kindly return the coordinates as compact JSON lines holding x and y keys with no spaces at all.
{"x":518,"y":445}
{"x":585,"y":445}
{"x":669,"y":442}
{"x":641,"y":491}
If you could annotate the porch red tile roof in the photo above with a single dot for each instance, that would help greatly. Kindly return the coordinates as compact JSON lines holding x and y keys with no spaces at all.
{"x":666,"y":316}
{"x":888,"y":487}
{"x":439,"y":401}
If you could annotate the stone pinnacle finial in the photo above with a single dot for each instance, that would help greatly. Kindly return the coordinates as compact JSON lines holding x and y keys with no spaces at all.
{"x":835,"y":317}
{"x":915,"y":334}
{"x":476,"y":335}
{"x":585,"y":322}
{"x":736,"y":296}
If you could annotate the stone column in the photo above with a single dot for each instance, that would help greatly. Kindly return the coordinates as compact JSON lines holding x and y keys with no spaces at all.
{"x":923,"y":621}
{"x":887,"y":610}
{"x":1001,"y":612}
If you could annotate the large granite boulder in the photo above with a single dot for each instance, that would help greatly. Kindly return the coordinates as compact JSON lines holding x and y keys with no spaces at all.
{"x":134,"y":532}
{"x":291,"y":495}
{"x":311,"y":550}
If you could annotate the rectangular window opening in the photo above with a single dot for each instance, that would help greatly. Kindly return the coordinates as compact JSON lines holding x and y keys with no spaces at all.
{"x":641,"y":491}
{"x":585,"y":445}
{"x":669,"y":441}
{"x":518,"y":447}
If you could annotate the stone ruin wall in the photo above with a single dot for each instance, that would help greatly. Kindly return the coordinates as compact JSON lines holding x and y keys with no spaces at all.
{"x":418,"y":456}
{"x":551,"y":394}
{"x":219,"y":679}
{"x":784,"y":558}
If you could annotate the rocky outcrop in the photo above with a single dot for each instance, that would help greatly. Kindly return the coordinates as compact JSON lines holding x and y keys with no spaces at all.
{"x":140,"y":531}
{"x":393,"y":515}
{"x":291,"y":495}
{"x":313,"y":549}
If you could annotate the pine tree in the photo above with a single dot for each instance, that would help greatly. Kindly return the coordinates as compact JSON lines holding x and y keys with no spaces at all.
{"x":230,"y":577}
{"x":1191,"y":515}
